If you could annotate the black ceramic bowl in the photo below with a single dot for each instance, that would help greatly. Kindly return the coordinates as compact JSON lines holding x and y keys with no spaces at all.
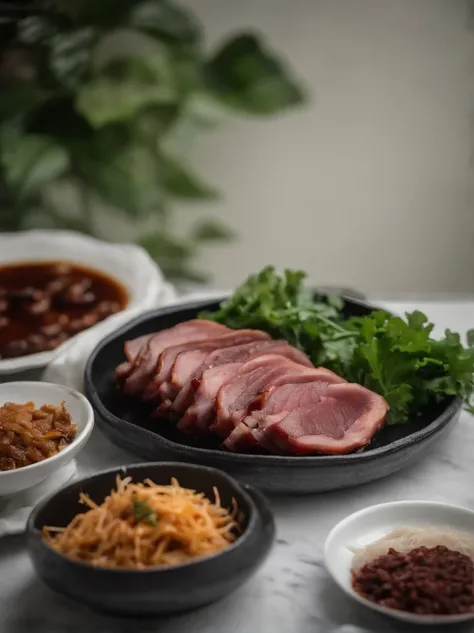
{"x":156,"y":591}
{"x":128,"y":424}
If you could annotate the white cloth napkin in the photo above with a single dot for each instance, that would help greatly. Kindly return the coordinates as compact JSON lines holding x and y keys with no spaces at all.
{"x":15,"y":509}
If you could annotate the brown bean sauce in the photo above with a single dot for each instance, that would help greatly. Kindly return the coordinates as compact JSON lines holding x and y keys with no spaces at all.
{"x":42,"y":304}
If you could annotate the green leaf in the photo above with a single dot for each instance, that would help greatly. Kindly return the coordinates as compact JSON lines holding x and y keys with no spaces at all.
{"x":470,"y":338}
{"x":182,"y":182}
{"x":205,"y":109}
{"x":200,"y":112}
{"x":124,"y":88}
{"x":163,"y":246}
{"x":393,"y":357}
{"x":123,"y":174}
{"x":248,"y":77}
{"x":165,"y":19}
{"x":178,"y":139}
{"x":35,"y":30}
{"x":143,"y":512}
{"x":70,"y":55}
{"x":154,"y":122}
{"x":30,"y":162}
{"x":212,"y":231}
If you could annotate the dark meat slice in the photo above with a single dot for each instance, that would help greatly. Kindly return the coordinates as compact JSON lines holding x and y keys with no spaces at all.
{"x":161,"y":387}
{"x":147,"y":360}
{"x":200,"y":414}
{"x":237,"y":353}
{"x":236,"y":396}
{"x":132,"y":350}
{"x":345,"y":419}
{"x":275,"y":401}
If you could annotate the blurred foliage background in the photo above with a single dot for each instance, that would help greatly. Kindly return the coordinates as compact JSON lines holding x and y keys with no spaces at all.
{"x":104,"y":98}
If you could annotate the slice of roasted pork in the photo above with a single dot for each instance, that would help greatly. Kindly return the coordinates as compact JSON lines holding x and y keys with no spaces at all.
{"x":275,"y":401}
{"x":132,"y":350}
{"x":237,"y":394}
{"x":184,"y":359}
{"x":144,"y":365}
{"x":237,"y":353}
{"x":345,"y":419}
{"x":174,"y":359}
{"x":200,"y":414}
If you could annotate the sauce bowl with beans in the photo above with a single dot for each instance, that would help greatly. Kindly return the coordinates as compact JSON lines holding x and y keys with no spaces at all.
{"x":43,"y":304}
{"x":431,"y":585}
{"x":56,"y":285}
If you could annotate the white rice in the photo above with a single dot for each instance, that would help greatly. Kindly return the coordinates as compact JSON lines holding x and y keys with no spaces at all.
{"x":405,"y":539}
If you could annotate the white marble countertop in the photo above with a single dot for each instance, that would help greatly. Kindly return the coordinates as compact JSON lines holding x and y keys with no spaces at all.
{"x":292,"y":592}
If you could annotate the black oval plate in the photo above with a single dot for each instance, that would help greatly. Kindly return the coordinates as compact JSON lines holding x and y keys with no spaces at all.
{"x":129,"y":426}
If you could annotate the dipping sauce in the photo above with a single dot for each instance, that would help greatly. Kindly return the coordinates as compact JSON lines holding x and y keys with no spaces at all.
{"x":42,"y":304}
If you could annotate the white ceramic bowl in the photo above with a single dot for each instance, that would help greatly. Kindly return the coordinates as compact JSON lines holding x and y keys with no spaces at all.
{"x":369,"y":525}
{"x":129,"y":264}
{"x":40,"y":393}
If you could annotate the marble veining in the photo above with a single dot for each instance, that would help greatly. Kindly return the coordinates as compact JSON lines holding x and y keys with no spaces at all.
{"x":292,"y":593}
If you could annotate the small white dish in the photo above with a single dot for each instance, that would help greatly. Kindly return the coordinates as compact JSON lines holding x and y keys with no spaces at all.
{"x":370,"y":524}
{"x":82,"y":414}
{"x":129,"y":264}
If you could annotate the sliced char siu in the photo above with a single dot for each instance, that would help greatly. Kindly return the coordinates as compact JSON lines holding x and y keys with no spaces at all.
{"x":201,"y":411}
{"x":345,"y":419}
{"x":275,"y":401}
{"x":132,"y":350}
{"x":144,"y":365}
{"x":237,"y":394}
{"x":161,"y":387}
{"x":237,"y":353}
{"x":134,"y":347}
{"x":249,"y":390}
{"x":200,"y":414}
{"x":185,"y":368}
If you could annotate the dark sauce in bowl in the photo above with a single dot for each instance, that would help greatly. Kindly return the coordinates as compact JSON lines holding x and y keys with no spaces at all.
{"x":42,"y":304}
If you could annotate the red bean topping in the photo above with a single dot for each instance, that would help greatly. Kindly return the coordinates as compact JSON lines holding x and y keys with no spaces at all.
{"x":425,"y":581}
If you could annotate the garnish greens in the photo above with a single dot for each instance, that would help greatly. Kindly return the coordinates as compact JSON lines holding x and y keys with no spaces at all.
{"x":395,"y":357}
{"x":143,"y":512}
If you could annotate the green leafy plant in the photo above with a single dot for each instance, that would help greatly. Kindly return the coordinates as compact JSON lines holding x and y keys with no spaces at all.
{"x":395,"y":357}
{"x":113,"y":124}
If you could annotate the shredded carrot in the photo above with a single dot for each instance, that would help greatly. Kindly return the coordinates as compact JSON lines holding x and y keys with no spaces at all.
{"x":141,"y":525}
